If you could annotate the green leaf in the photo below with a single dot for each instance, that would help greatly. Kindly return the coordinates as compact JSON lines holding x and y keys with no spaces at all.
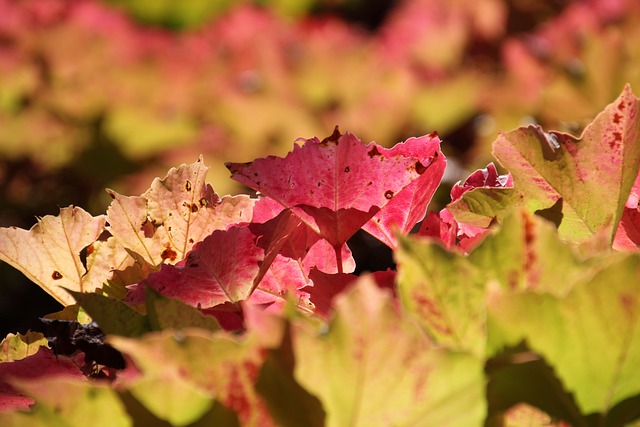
{"x":113,"y":316}
{"x":203,"y":364}
{"x":445,"y":292}
{"x":18,"y":346}
{"x":68,"y":402}
{"x":167,"y":313}
{"x":591,"y":337}
{"x":525,"y":253}
{"x":588,"y":178}
{"x":375,"y":367}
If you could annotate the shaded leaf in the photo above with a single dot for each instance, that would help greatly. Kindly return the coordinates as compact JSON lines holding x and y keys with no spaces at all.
{"x":201,"y":363}
{"x":169,"y":313}
{"x":49,"y":253}
{"x":600,"y":313}
{"x":43,"y":364}
{"x":114,"y":317}
{"x":288,"y":403}
{"x":80,"y":402}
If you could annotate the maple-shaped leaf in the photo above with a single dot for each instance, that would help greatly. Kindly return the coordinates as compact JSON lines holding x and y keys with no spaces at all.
{"x":69,"y":401}
{"x":599,"y":313}
{"x":164,"y":223}
{"x":408,"y":207}
{"x":18,"y":346}
{"x":582,"y":184}
{"x":49,"y":253}
{"x":335,"y":185}
{"x":373,"y":366}
{"x":184,"y":371}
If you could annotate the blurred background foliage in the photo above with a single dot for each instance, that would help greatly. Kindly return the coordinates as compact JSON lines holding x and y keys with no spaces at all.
{"x":112,"y":93}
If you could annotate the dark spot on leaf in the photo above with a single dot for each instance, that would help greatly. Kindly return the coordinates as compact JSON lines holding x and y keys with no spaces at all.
{"x":388,"y":194}
{"x":188,"y":186}
{"x":621,"y":106}
{"x":370,"y":183}
{"x":319,"y":183}
{"x":433,"y":134}
{"x":257,"y":182}
{"x":169,"y":254}
{"x":194,"y":265}
{"x":373,"y":152}
{"x":194,"y":208}
{"x":617,"y":136}
{"x":169,"y":228}
{"x":346,"y":170}
{"x":191,"y":240}
{"x":170,"y":214}
{"x":616,"y":118}
{"x":56,"y":275}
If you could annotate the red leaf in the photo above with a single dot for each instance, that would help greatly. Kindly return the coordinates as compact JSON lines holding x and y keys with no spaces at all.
{"x":327,"y":286}
{"x":482,"y":178}
{"x":409,"y":206}
{"x":335,"y":185}
{"x":44,"y":363}
{"x":222,"y":268}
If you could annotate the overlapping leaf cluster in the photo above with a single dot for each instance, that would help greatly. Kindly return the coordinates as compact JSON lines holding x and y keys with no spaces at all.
{"x":518,"y":304}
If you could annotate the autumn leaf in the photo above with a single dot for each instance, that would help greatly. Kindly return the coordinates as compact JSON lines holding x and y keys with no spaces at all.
{"x":335,"y":185}
{"x":445,"y":292}
{"x":373,"y":366}
{"x":81,"y":401}
{"x":163,"y":224}
{"x":601,"y":312}
{"x":49,"y":253}
{"x":42,"y":364}
{"x":582,"y":184}
{"x":19,"y":346}
{"x":408,"y":207}
{"x":183,"y":372}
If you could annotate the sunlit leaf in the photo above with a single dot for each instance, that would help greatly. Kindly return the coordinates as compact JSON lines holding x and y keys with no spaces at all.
{"x":49,"y":253}
{"x":375,"y":367}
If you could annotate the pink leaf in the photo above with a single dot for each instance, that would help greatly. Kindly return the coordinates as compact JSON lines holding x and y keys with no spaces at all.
{"x":222,"y":268}
{"x":44,"y":363}
{"x":409,"y":206}
{"x":327,"y":286}
{"x":335,"y":185}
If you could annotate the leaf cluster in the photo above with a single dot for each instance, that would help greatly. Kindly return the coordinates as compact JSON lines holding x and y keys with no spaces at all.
{"x":517,"y":304}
